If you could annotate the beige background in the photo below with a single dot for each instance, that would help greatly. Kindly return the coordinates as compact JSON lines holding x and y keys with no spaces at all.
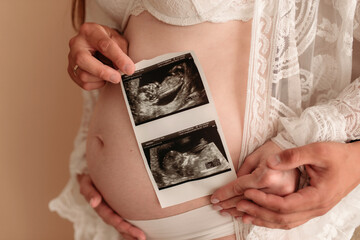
{"x":39,"y":115}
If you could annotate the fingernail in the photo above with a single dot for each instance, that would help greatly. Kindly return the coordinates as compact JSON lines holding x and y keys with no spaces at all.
{"x":225,"y":214}
{"x":114,"y":78}
{"x":128,"y":69}
{"x":275,"y":160}
{"x":217,"y":208}
{"x":94,"y":202}
{"x":214,"y":200}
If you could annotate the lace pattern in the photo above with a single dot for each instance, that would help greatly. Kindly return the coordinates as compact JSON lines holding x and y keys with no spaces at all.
{"x":181,"y":13}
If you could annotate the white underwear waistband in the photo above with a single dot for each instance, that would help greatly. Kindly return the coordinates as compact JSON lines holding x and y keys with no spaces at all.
{"x":201,"y":224}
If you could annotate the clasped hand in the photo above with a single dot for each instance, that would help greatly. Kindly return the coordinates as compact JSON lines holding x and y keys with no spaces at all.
{"x":333,"y":170}
{"x":255,"y":174}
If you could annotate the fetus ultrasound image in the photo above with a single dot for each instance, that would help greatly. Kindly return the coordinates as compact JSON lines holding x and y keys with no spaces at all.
{"x":165,"y":88}
{"x":189,"y":155}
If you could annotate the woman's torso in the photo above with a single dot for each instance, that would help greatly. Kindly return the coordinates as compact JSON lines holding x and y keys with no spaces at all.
{"x":114,"y":160}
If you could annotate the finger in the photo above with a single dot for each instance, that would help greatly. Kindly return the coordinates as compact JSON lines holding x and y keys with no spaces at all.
{"x":295,"y":157}
{"x":247,"y":219}
{"x":136,"y":232}
{"x":100,"y":38}
{"x":86,"y":77}
{"x":237,"y":187}
{"x":227,"y":204}
{"x":108,"y":215}
{"x":88,"y":190}
{"x":88,"y":63}
{"x":248,"y":166}
{"x":303,"y":200}
{"x":231,"y":212}
{"x":277,"y":218}
{"x":129,"y":229}
{"x":113,"y":219}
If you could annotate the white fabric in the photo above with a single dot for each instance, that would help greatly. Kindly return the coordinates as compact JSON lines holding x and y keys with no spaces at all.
{"x":197,"y":227}
{"x":299,"y":91}
{"x":185,"y":12}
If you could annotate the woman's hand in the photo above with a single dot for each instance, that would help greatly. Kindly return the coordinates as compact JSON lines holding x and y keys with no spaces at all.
{"x":88,"y":190}
{"x":255,"y":174}
{"x":94,"y":40}
{"x":334,"y":171}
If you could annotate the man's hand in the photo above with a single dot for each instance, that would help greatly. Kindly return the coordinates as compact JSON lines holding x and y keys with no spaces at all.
{"x":255,"y":174}
{"x":334,"y":171}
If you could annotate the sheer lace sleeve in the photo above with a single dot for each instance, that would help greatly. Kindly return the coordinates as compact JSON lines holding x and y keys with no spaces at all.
{"x":331,"y":101}
{"x":338,"y":120}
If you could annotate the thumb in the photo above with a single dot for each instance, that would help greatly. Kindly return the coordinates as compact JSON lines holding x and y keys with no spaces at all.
{"x":292,"y":158}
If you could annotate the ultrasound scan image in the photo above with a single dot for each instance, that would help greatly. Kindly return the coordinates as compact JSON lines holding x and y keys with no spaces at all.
{"x":185,"y":159}
{"x":165,"y":90}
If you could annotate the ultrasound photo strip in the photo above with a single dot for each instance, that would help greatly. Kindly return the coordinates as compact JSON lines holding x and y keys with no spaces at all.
{"x":177,"y":128}
{"x":165,"y":88}
{"x":189,"y":155}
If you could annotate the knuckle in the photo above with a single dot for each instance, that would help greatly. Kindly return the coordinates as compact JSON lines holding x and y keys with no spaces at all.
{"x":102,"y":73}
{"x":321,"y":149}
{"x":268,"y":179}
{"x":104,"y":44}
{"x":237,"y":189}
{"x":291,"y":155}
{"x":80,"y":58}
{"x":226,"y":205}
{"x":72,"y":42}
{"x":86,"y":28}
{"x":83,"y":76}
{"x":123,"y":227}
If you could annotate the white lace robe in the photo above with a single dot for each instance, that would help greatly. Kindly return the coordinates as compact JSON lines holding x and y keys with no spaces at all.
{"x":300,"y":91}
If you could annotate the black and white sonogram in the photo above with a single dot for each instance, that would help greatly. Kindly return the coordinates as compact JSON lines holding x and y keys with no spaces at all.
{"x":192,"y":154}
{"x":165,"y":88}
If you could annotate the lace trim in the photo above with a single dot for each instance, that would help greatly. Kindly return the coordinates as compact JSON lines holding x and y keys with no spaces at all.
{"x":193,"y":12}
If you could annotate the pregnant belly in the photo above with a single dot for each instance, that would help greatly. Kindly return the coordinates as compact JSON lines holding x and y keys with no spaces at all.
{"x":114,"y":160}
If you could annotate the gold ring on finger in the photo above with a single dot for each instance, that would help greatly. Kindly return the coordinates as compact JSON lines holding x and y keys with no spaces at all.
{"x":74,"y":69}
